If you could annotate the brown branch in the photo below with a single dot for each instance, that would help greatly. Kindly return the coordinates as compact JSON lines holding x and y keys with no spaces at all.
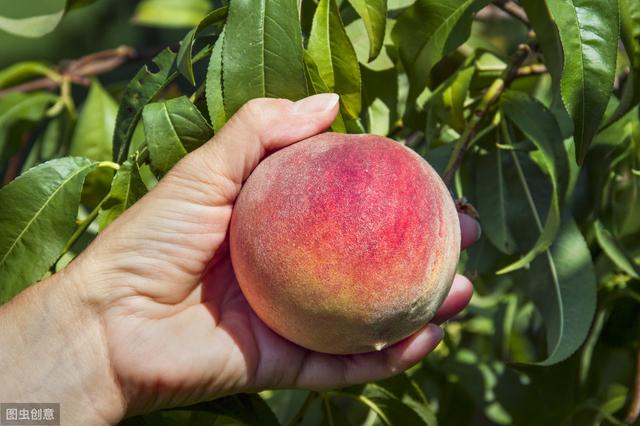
{"x":79,"y":70}
{"x":513,"y":9}
{"x":487,"y":101}
{"x":634,"y":408}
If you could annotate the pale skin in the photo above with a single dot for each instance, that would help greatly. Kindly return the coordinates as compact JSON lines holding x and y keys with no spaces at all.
{"x":150,"y":315}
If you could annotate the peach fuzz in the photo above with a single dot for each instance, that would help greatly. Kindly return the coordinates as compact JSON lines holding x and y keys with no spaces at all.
{"x":344,"y":243}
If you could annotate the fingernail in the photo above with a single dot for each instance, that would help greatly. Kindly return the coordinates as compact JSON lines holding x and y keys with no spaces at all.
{"x":438,"y":332}
{"x":316,"y":103}
{"x":478,"y":230}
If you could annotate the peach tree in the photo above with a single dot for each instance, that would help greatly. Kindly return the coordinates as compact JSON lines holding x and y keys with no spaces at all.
{"x":528,"y":109}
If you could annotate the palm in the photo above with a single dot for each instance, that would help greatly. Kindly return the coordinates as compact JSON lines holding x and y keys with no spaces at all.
{"x":178,"y":328}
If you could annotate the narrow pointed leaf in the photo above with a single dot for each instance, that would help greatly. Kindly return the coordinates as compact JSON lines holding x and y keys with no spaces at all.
{"x":539,"y":126}
{"x":630,"y":31}
{"x":37,"y":218}
{"x":589,"y":34}
{"x":429,"y":30}
{"x":564,"y":286}
{"x":492,"y":202}
{"x":127,"y":188}
{"x":335,"y":59}
{"x":94,"y":131}
{"x":264,"y":58}
{"x":215,"y":100}
{"x":615,"y":251}
{"x":185,"y":54}
{"x":374,"y":15}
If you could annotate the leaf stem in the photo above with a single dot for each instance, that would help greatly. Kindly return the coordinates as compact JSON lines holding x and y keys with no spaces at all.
{"x":487,"y":101}
{"x":82,"y":228}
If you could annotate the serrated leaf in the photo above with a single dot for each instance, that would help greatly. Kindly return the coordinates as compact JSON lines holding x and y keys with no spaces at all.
{"x":615,"y":251}
{"x":172,"y":129}
{"x":538,"y":124}
{"x":630,"y":32}
{"x":374,"y":15}
{"x":37,"y":26}
{"x":589,"y":34}
{"x":564,"y":285}
{"x":318,"y":85}
{"x":185,"y":55}
{"x":144,"y":86}
{"x":215,"y":100}
{"x":127,"y":188}
{"x":264,"y":56}
{"x":37,"y":218}
{"x":491,"y":196}
{"x":334,"y":57}
{"x":429,"y":30}
{"x":171,"y":13}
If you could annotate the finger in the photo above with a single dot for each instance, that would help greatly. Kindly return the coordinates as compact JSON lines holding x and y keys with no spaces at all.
{"x":470,"y":230}
{"x":458,"y":297}
{"x":323,"y":371}
{"x":260,"y":126}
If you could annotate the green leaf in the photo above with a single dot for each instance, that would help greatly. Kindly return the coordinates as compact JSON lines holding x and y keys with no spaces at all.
{"x":242,"y":409}
{"x":127,"y":188}
{"x":335,"y":59}
{"x":630,"y":26}
{"x":215,"y":100}
{"x":21,"y":71}
{"x":538,"y":124}
{"x":491,"y":196}
{"x":37,"y":26}
{"x":547,"y":37}
{"x":38,"y":217}
{"x":172,"y":129}
{"x":429,"y":30}
{"x":264,"y":56}
{"x":18,"y":110}
{"x":615,"y":251}
{"x":144,"y":86}
{"x":184,"y":59}
{"x":96,"y":123}
{"x":171,"y":13}
{"x":374,"y":15}
{"x":389,"y":409}
{"x":589,"y":34}
{"x":564,"y":286}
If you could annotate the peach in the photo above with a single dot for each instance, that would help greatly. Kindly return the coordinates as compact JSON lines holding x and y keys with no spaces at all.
{"x":344,"y":243}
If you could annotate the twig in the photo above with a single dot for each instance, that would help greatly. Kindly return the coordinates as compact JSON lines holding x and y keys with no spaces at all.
{"x":513,"y":9}
{"x":79,"y":70}
{"x":634,"y":408}
{"x":490,"y":97}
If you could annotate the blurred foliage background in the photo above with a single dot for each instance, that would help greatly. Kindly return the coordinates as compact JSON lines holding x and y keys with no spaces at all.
{"x":581,"y":293}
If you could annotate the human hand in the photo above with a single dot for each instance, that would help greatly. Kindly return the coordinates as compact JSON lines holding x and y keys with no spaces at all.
{"x":173,"y":326}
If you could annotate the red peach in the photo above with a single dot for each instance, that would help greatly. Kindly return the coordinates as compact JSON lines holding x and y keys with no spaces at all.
{"x":345,"y":243}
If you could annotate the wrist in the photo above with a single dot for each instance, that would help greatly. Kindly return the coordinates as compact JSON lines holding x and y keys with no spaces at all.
{"x":54,"y":350}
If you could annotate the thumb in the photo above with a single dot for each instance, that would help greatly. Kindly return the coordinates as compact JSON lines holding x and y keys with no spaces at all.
{"x":260,"y":126}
